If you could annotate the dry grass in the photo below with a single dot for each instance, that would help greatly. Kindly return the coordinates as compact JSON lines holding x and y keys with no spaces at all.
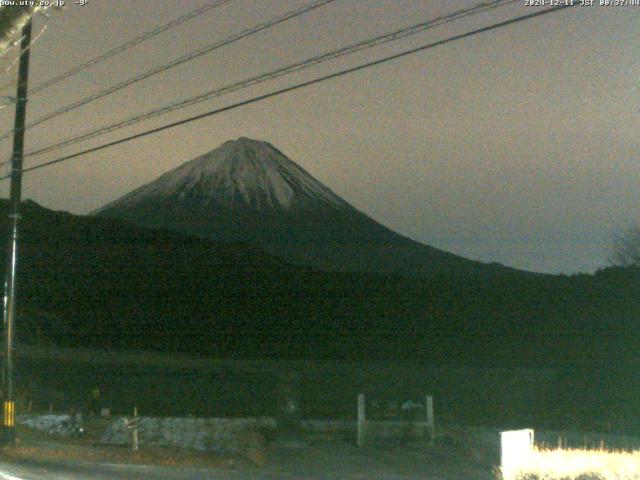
{"x":578,"y":464}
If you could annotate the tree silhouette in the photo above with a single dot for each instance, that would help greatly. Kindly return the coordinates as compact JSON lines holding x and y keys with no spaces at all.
{"x":626,"y":248}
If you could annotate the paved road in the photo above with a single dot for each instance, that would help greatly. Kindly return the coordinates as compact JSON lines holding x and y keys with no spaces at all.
{"x":60,"y":470}
{"x":322,"y":461}
{"x":81,"y":471}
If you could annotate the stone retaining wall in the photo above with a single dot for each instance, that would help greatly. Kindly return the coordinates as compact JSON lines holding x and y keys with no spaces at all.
{"x":204,"y":434}
{"x":224,"y":435}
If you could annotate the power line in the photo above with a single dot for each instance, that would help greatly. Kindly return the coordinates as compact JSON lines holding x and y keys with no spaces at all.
{"x":31,"y":43}
{"x":301,"y":85}
{"x":121,"y":48}
{"x":279,"y":72}
{"x":13,"y":18}
{"x":179,"y":61}
{"x":17,"y":58}
{"x":127,"y":45}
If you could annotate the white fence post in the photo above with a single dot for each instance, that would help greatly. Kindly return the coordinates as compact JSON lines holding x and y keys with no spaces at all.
{"x":516,"y":450}
{"x":430,"y":420}
{"x":361,"y":420}
{"x":134,"y":429}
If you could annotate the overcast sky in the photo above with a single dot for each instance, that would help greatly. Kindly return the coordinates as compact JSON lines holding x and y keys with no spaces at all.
{"x":517,"y":146}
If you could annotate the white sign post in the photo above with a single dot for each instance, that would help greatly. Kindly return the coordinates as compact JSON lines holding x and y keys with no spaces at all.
{"x":132,"y":424}
{"x":430,"y":420}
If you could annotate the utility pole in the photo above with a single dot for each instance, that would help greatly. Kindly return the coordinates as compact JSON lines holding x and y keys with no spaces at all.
{"x":9,"y":409}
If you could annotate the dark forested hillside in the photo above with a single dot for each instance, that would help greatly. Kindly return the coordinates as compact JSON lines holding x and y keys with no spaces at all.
{"x":96,"y":282}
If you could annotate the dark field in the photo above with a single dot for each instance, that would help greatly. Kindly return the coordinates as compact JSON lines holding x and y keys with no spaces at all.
{"x":171,"y":385}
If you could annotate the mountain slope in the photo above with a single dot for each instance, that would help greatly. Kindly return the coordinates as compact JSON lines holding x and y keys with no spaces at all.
{"x":247,"y":190}
{"x":244,"y":175}
{"x":95,"y":282}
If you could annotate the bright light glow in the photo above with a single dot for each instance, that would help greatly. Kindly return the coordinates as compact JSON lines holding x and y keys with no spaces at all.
{"x":517,"y":448}
{"x":7,"y":476}
{"x":543,"y":464}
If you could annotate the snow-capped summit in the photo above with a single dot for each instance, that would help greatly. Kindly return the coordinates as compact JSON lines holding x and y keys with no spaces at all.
{"x":240,"y":174}
{"x":247,"y":190}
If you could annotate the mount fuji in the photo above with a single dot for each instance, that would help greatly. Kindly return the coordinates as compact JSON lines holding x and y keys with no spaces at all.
{"x":248,"y":191}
